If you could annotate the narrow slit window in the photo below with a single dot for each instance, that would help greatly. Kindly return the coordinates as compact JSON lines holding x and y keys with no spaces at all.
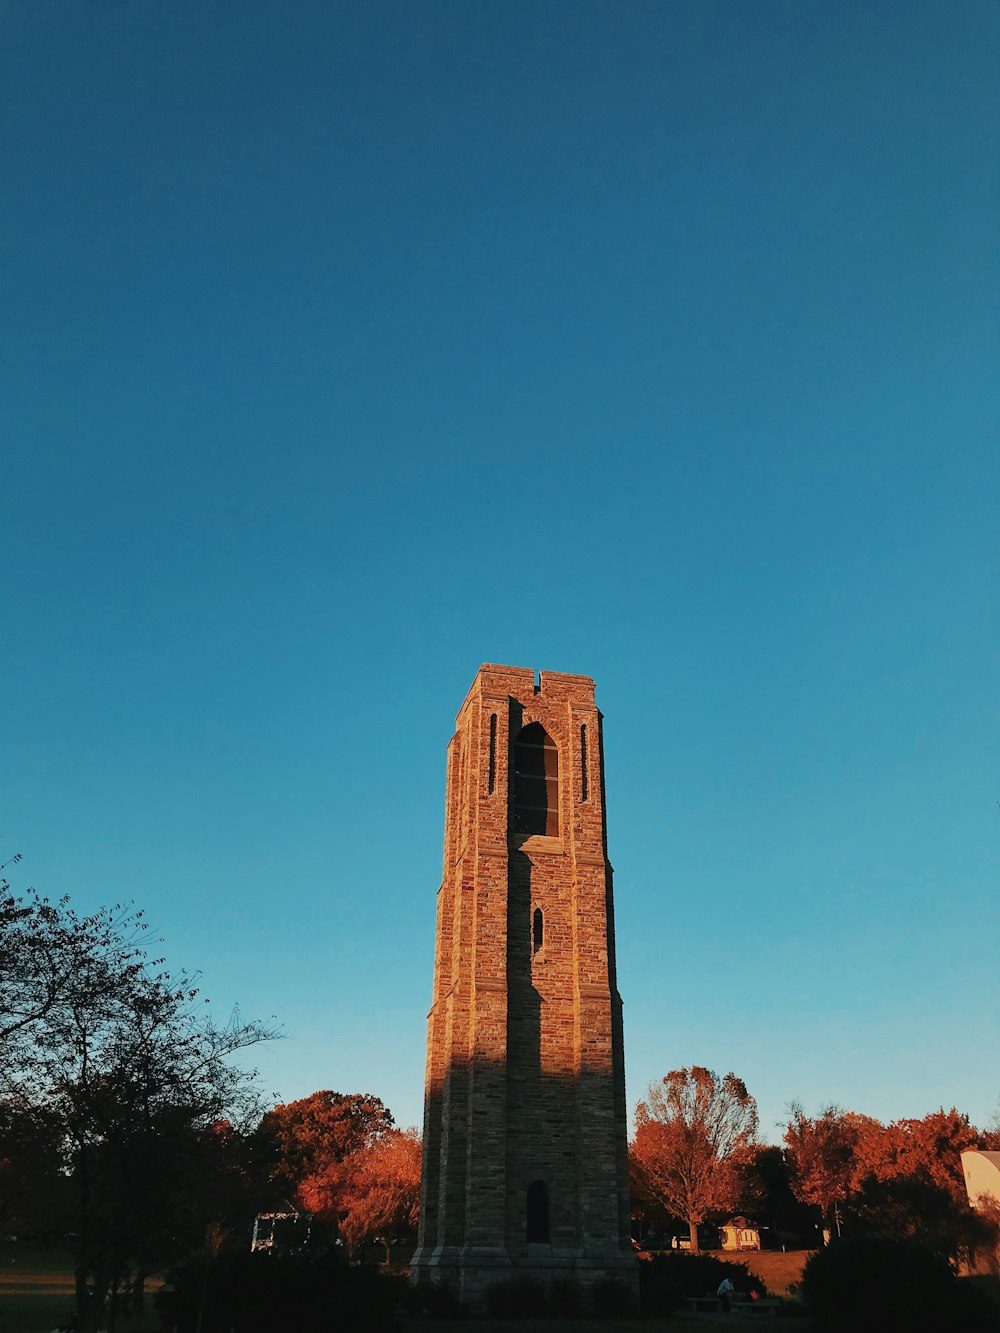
{"x":537,"y":930}
{"x":493,"y":752}
{"x":538,"y":1213}
{"x":583,"y":762}
{"x":461,"y":791}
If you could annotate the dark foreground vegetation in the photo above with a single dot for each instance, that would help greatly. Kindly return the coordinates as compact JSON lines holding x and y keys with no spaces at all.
{"x":259,"y":1293}
{"x":861,"y":1285}
{"x":120,"y":1101}
{"x":133,"y":1138}
{"x":893,"y":1286}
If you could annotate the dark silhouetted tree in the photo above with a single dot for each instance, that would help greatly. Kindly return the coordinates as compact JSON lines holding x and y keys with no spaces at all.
{"x":34,"y":1197}
{"x":914,"y":1208}
{"x":123,"y":1066}
{"x":766,"y":1194}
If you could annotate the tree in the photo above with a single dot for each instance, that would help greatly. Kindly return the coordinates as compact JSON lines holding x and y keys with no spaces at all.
{"x":893,"y":1285}
{"x":53,"y":962}
{"x":930,"y":1148}
{"x":310,"y":1139}
{"x":381,"y":1195}
{"x":126,"y":1069}
{"x":33,"y":1187}
{"x":646,"y":1207}
{"x":822,"y":1152}
{"x":901,"y":1181}
{"x":767,"y":1195}
{"x":913,"y":1207}
{"x":340,"y":1159}
{"x":693,"y":1134}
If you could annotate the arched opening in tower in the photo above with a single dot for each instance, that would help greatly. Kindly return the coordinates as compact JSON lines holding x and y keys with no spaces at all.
{"x":534,"y":804}
{"x":538,"y":1213}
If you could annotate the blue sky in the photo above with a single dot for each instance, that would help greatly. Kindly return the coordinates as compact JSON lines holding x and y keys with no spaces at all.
{"x":346,"y":347}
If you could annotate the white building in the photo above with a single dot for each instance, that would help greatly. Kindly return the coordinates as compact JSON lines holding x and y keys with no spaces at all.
{"x":982,"y":1176}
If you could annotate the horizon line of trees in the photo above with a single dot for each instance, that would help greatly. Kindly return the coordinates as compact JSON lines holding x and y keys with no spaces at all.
{"x":695,"y":1158}
{"x":129,"y":1123}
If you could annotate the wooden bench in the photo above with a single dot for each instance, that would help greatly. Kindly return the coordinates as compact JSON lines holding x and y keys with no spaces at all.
{"x":702,"y":1304}
{"x":765,"y":1307}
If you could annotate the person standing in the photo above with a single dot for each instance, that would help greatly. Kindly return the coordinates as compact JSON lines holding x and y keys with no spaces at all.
{"x":725,"y":1295}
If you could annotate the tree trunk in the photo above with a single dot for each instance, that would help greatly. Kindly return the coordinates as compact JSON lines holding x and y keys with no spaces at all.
{"x":114,"y":1300}
{"x":204,"y":1295}
{"x":138,"y":1293}
{"x":693,"y":1229}
{"x":80,"y":1283}
{"x":91,"y":1317}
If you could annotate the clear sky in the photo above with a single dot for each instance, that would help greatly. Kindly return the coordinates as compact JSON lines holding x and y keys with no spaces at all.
{"x":346,"y":347}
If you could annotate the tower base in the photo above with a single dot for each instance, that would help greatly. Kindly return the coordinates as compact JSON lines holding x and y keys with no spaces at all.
{"x":472,"y":1275}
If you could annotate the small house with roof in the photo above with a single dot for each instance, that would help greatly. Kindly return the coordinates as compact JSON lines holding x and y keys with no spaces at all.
{"x":739,"y":1233}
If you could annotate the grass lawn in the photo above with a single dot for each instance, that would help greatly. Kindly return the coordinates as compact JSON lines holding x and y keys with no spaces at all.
{"x":36,"y":1289}
{"x":776,"y":1269}
{"x":36,"y":1296}
{"x":36,"y":1292}
{"x":39,"y":1307}
{"x":676,"y":1324}
{"x":34,"y":1300}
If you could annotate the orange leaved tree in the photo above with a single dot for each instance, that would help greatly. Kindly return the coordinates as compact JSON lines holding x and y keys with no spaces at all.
{"x":826,"y":1153}
{"x":931,"y":1149}
{"x":907,"y":1174}
{"x":381,"y":1190}
{"x":693,"y":1135}
{"x":313,"y":1138}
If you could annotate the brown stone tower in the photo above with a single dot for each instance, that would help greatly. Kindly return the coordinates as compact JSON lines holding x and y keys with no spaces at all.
{"x":525,"y":1156}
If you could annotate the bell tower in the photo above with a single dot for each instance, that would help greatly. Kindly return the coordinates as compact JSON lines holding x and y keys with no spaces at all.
{"x":525,"y":1142}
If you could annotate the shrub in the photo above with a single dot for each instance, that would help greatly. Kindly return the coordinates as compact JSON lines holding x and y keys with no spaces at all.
{"x":564,"y":1297}
{"x":893,"y":1285}
{"x":437,"y":1299}
{"x":659,"y":1294}
{"x":517,"y":1298}
{"x":610,"y":1297}
{"x":914,"y":1208}
{"x":694,"y":1275}
{"x":256,"y":1293}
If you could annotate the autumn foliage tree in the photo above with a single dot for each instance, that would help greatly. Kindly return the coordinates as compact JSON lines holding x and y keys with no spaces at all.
{"x":381,"y":1192}
{"x":341,"y":1159}
{"x":898,"y":1180}
{"x":822,"y":1151}
{"x":694,"y":1133}
{"x":929,"y":1148}
{"x":314,"y":1137}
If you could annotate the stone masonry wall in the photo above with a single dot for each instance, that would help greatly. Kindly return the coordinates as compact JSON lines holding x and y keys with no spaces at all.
{"x":525,"y":1066}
